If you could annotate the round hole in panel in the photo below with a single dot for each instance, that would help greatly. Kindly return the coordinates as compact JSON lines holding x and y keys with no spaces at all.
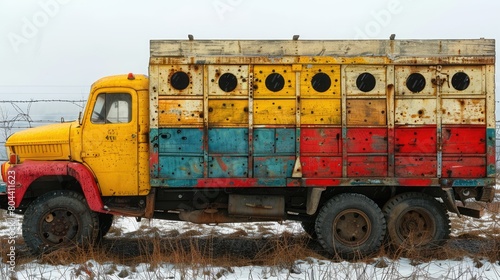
{"x":179,"y":80}
{"x":460,"y":81}
{"x":415,"y":82}
{"x":366,"y":82}
{"x":321,"y":82}
{"x":228,"y":82}
{"x":275,"y":82}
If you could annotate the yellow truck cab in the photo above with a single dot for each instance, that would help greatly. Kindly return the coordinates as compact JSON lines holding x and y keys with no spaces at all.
{"x":359,"y":141}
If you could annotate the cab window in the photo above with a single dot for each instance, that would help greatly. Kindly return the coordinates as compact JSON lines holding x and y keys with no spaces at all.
{"x":112,"y":108}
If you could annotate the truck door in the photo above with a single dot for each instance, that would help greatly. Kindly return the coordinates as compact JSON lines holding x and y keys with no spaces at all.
{"x":109,"y":141}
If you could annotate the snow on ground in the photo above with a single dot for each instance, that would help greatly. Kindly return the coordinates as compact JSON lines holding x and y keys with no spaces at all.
{"x":309,"y":268}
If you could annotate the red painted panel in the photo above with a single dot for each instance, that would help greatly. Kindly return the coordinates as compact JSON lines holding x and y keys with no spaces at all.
{"x":28,"y":171}
{"x":419,"y":140}
{"x":463,"y":167}
{"x":367,"y":140}
{"x":367,"y":166}
{"x":321,"y":167}
{"x":464,"y":140}
{"x":321,"y":140}
{"x":416,"y":166}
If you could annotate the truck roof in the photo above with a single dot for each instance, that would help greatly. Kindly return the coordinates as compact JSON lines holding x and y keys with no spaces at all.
{"x":392,"y":49}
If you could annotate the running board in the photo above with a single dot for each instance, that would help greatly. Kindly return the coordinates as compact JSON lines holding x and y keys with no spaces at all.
{"x":471,"y":212}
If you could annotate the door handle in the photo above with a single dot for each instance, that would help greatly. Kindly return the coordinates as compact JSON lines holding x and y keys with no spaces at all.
{"x":133,"y":136}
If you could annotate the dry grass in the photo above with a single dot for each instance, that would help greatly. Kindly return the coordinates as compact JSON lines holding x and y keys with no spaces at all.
{"x":193,"y":251}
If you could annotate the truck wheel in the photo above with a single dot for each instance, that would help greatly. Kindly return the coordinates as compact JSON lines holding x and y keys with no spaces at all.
{"x":105,"y":223}
{"x":416,"y":220}
{"x":58,"y":219}
{"x":351,"y":225}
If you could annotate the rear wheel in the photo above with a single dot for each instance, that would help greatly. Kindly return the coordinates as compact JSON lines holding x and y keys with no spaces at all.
{"x":310,"y":228}
{"x":351,"y":226}
{"x":59,"y":219}
{"x":105,"y":223}
{"x":416,"y":220}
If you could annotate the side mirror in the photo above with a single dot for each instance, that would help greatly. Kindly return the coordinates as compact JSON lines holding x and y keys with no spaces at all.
{"x":80,"y":118}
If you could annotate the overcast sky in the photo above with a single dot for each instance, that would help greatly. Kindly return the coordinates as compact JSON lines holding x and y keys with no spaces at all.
{"x":58,"y":48}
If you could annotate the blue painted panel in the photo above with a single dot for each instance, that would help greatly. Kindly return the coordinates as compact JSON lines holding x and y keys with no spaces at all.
{"x":153,"y":153}
{"x":273,"y":167}
{"x":274,"y":141}
{"x":181,"y":140}
{"x":228,"y":167}
{"x":264,"y":141}
{"x":181,"y":167}
{"x":228,"y":140}
{"x":285,"y":140}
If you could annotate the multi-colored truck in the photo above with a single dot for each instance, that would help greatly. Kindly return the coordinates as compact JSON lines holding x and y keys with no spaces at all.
{"x":360,"y":141}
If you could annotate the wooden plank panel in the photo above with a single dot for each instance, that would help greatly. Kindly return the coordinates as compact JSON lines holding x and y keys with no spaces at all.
{"x":354,"y":71}
{"x":367,"y":140}
{"x":320,"y":111}
{"x":366,"y":112}
{"x":180,"y":167}
{"x":228,"y":167}
{"x":263,"y":77}
{"x":228,"y":112}
{"x":216,"y":85}
{"x":415,"y":111}
{"x":320,"y":140}
{"x":313,"y":78}
{"x":180,"y":112}
{"x":402,"y":74}
{"x":473,"y":81}
{"x":426,"y":48}
{"x":463,"y":111}
{"x":274,"y":111}
{"x":273,"y":167}
{"x":415,"y":140}
{"x":367,"y":166}
{"x":464,"y":140}
{"x":180,"y":140}
{"x":416,"y":166}
{"x":228,"y":140}
{"x":321,"y":167}
{"x":464,"y":167}
{"x":194,"y":84}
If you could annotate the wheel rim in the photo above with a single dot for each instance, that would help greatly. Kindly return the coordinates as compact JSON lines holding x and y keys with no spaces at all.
{"x":416,"y":226}
{"x":351,"y":227}
{"x":59,"y":226}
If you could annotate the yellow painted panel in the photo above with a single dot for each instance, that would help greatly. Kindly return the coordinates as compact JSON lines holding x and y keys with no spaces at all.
{"x":239,"y":81}
{"x":366,"y":112}
{"x":180,"y":112}
{"x":263,"y":77}
{"x":194,"y":81}
{"x":274,"y":111}
{"x":228,"y":111}
{"x":352,"y":73}
{"x":320,"y":111}
{"x":415,"y":111}
{"x":314,"y":83}
{"x":463,"y":111}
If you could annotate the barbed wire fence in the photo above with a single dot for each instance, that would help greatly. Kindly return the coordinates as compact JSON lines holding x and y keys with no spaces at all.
{"x":22,"y":118}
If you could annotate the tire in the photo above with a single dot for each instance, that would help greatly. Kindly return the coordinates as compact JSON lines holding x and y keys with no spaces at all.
{"x":416,"y":220}
{"x":105,"y":223}
{"x":310,"y":228}
{"x":351,"y":226}
{"x":59,"y":219}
